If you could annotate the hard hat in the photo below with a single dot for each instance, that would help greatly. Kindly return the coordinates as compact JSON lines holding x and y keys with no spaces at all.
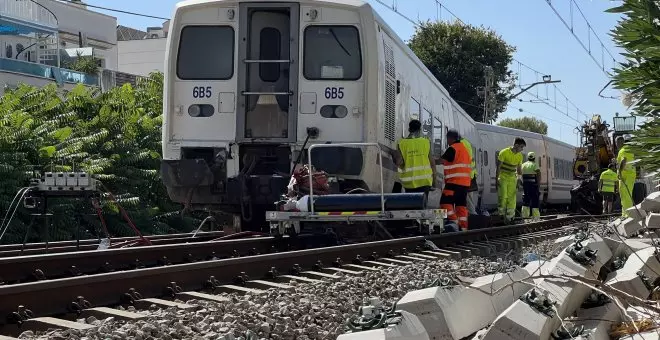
{"x":531,"y":155}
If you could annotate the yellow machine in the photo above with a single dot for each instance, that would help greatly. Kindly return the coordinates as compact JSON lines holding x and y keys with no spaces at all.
{"x":597,"y":150}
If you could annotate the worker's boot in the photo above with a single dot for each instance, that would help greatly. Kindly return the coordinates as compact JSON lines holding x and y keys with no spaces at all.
{"x":536,"y":214}
{"x":524,"y":212}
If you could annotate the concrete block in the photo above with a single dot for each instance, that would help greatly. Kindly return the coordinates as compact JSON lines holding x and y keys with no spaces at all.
{"x":457,"y":312}
{"x":636,"y":212}
{"x":409,"y":328}
{"x":652,"y":202}
{"x":629,"y":227}
{"x":521,"y":321}
{"x":597,"y":321}
{"x":628,"y":280}
{"x":650,"y":335}
{"x":626,"y":247}
{"x":653,"y":221}
{"x":638,"y":313}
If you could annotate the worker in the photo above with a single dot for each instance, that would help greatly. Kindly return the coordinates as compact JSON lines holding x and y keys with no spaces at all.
{"x":456,"y":163}
{"x":509,"y":164}
{"x":531,"y":176}
{"x":472,"y":192}
{"x":607,"y":187}
{"x":416,"y":163}
{"x":626,"y":174}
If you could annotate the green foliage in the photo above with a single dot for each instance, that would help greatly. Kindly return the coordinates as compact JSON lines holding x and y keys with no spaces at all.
{"x":525,"y":123}
{"x":638,"y":33}
{"x":115,"y":136}
{"x":85,"y":64}
{"x":457,"y":54}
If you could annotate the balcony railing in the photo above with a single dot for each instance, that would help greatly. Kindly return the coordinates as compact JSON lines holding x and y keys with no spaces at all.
{"x":58,"y":75}
{"x":29,"y":12}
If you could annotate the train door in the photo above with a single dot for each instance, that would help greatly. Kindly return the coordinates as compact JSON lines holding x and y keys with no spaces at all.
{"x":486,"y":178}
{"x":268,"y":72}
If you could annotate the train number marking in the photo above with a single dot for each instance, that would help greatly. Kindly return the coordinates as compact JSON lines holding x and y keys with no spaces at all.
{"x":201,"y":92}
{"x":334,"y":92}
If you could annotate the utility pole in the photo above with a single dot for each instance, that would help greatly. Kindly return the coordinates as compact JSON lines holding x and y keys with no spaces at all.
{"x":489,"y":78}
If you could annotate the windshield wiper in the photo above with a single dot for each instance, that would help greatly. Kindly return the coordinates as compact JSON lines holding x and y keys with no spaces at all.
{"x":339,"y":42}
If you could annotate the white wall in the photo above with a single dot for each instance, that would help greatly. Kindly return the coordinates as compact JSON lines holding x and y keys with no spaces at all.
{"x":141,"y":56}
{"x":73,"y":19}
{"x":14,"y":79}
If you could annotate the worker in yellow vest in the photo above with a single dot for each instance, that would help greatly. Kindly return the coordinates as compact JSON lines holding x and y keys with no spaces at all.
{"x":531,"y":176}
{"x":472,"y":196}
{"x":626,"y":174}
{"x":607,"y":187}
{"x":509,"y":163}
{"x":416,"y":163}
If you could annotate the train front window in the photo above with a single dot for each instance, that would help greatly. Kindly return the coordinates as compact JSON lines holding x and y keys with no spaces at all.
{"x":206,"y":53}
{"x":332,"y":53}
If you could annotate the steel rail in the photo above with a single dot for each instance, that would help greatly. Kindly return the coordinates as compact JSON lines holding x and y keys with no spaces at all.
{"x":55,"y":297}
{"x":91,"y":244}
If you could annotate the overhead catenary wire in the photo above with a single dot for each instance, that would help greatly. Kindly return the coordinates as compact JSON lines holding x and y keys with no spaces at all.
{"x":537,"y":74}
{"x":114,"y":10}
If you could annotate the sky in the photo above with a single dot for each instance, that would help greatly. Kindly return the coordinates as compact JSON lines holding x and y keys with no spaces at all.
{"x":543,"y":44}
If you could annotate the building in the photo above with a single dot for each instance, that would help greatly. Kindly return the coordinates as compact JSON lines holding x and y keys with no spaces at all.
{"x":39,"y":38}
{"x":141,"y":52}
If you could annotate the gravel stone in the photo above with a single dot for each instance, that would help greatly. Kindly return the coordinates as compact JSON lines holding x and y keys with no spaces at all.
{"x":312,"y":311}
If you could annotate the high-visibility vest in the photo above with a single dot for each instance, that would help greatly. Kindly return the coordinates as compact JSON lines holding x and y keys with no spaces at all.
{"x":609,"y":179}
{"x":417,"y":170}
{"x":458,"y":171}
{"x":529,"y":169}
{"x":510,"y":161}
{"x":629,"y":156}
{"x":473,"y":163}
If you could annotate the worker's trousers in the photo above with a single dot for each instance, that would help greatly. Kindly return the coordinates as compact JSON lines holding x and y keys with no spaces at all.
{"x":506,"y":196}
{"x":531,"y":200}
{"x":454,"y":199}
{"x":626,"y":184}
{"x":472,"y":202}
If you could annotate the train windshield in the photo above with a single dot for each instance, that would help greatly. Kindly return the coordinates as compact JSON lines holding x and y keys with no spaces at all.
{"x":206,"y":53}
{"x":332,"y":52}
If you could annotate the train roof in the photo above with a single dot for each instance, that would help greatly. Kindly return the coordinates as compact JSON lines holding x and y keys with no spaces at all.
{"x":356,"y":3}
{"x":521,"y":133}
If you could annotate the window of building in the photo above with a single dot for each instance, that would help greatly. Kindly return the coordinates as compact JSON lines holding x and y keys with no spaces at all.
{"x":206,"y":53}
{"x":270,"y":48}
{"x":332,"y":52}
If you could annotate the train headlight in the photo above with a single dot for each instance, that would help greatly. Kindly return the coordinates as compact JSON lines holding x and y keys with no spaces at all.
{"x":201,"y":110}
{"x":194,"y":110}
{"x":341,"y":111}
{"x":334,"y":111}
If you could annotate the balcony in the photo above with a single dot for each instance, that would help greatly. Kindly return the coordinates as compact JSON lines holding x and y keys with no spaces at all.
{"x":26,"y":16}
{"x":56,"y":74}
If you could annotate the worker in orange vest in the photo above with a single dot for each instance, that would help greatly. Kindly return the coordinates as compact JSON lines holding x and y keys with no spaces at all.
{"x":456,"y":162}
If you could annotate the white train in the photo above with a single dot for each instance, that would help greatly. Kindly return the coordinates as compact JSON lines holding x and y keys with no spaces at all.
{"x":248,"y":84}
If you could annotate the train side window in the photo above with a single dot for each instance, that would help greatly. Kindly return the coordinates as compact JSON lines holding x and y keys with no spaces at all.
{"x":486,"y":157}
{"x":206,"y":53}
{"x":332,"y":52}
{"x":426,"y":119}
{"x":270,"y":48}
{"x":437,"y":137}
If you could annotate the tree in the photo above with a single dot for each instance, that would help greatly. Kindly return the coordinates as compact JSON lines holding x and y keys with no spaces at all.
{"x":114,"y":136}
{"x":85,"y":64}
{"x":638,"y":32}
{"x":525,"y":123}
{"x":457,"y":54}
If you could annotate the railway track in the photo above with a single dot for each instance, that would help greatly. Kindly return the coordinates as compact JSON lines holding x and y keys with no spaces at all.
{"x":164,"y":251}
{"x":75,"y":296}
{"x":10,"y":250}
